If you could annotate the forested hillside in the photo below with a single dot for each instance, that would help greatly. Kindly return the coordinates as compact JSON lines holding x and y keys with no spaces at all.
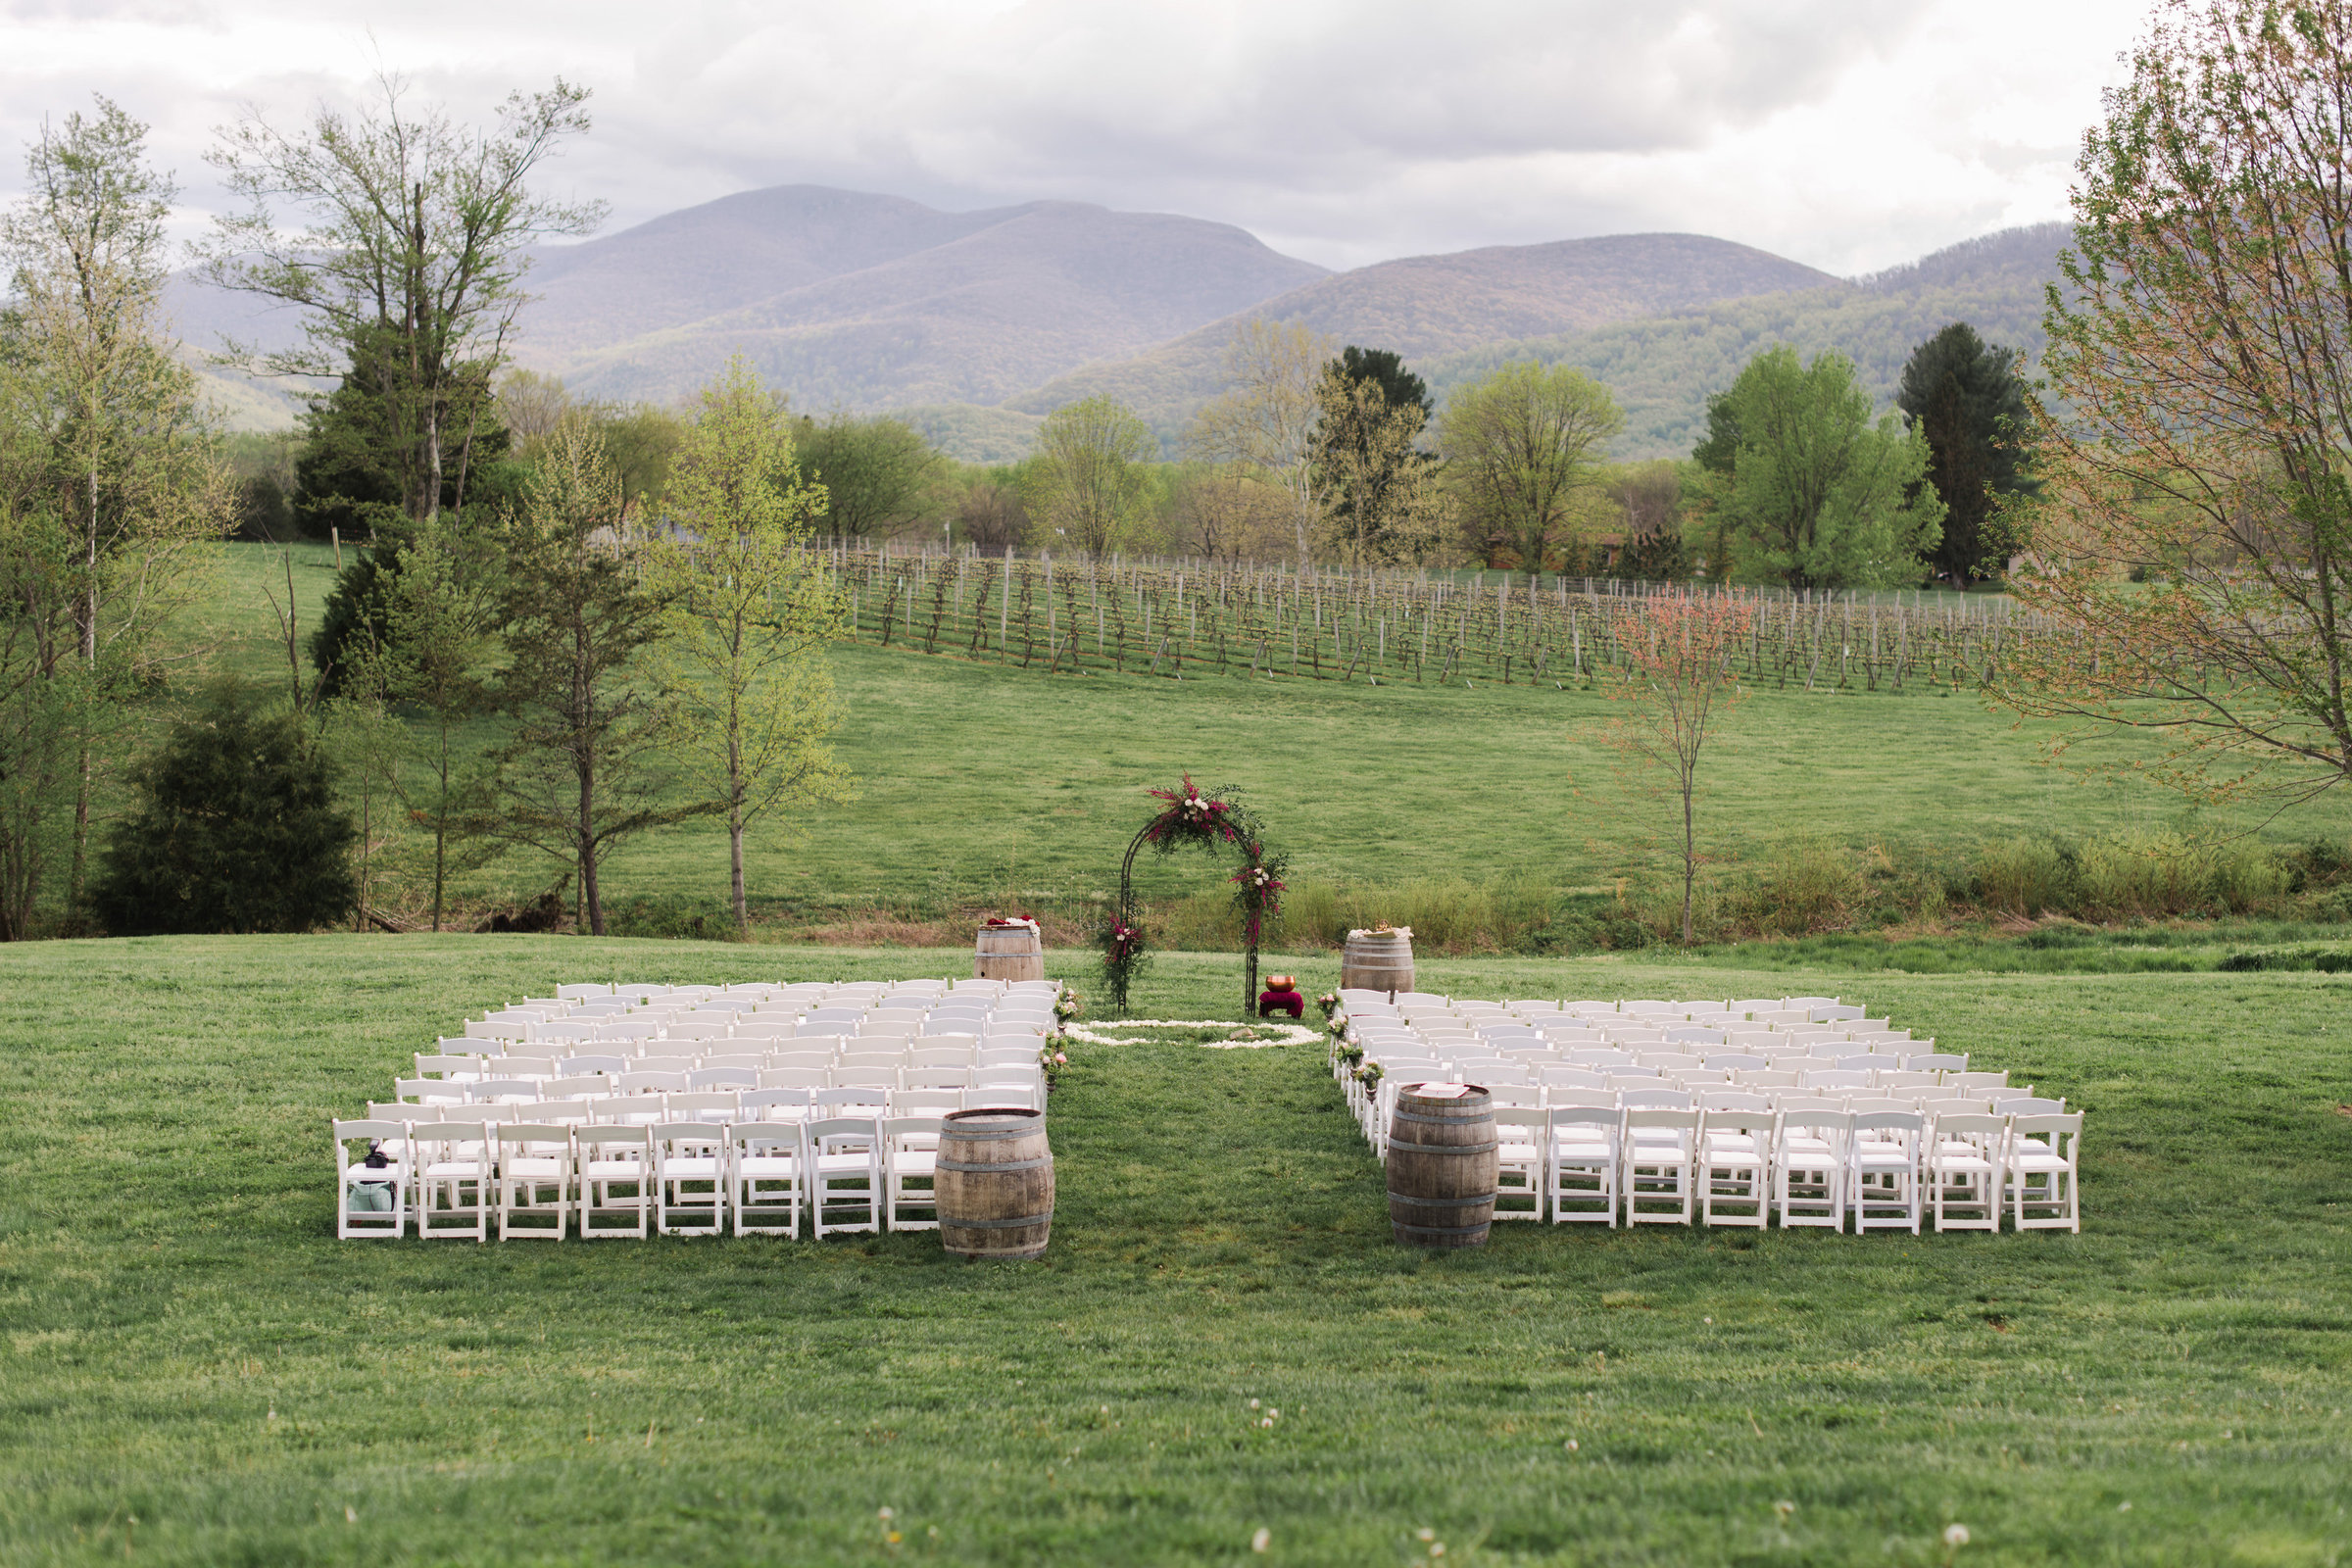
{"x":1663,"y":368}
{"x":1424,"y":306}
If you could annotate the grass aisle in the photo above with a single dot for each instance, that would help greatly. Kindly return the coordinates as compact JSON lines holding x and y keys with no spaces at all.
{"x":185,"y":1344}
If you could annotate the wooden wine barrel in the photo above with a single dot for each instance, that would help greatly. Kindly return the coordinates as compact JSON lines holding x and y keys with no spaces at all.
{"x":1009,"y":952}
{"x":995,"y":1182}
{"x":1442,"y":1165}
{"x":1376,"y":960}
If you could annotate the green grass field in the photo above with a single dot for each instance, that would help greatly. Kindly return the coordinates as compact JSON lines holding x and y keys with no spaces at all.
{"x":980,"y":784}
{"x":186,"y":1346}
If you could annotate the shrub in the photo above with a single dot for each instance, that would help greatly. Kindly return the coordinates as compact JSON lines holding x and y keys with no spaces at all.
{"x":238,"y":832}
{"x":358,"y":608}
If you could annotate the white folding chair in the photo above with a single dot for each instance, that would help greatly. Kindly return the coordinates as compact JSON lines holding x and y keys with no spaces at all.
{"x":1584,"y":1164}
{"x":844,"y":1175}
{"x":1521,"y":1133}
{"x":453,"y":1184}
{"x":1661,"y":1167}
{"x":1966,"y":1151}
{"x":615,"y":1155}
{"x":1882,"y":1163}
{"x":1809,"y":1163}
{"x":2046,"y":1152}
{"x":909,"y":1162}
{"x":1735,"y":1152}
{"x":535,"y":1179}
{"x":372,"y":1199}
{"x":767,"y":1166}
{"x":690,"y":1179}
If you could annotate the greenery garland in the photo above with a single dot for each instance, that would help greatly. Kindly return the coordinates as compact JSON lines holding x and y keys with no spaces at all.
{"x":1210,"y":820}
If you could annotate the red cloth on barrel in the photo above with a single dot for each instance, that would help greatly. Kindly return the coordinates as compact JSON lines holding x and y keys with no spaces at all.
{"x":1289,"y":1000}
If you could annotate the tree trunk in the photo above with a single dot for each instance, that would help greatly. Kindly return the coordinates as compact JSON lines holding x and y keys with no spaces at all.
{"x":743,"y":913}
{"x":1689,"y":858}
{"x":81,"y":835}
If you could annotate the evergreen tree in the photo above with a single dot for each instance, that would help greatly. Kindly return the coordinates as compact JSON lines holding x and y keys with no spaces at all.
{"x":238,"y":832}
{"x":1965,"y":396}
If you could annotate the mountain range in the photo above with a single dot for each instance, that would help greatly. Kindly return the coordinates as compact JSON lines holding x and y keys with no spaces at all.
{"x":975,"y":325}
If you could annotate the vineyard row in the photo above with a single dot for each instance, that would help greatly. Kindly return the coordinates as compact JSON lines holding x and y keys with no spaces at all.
{"x":1174,"y":621}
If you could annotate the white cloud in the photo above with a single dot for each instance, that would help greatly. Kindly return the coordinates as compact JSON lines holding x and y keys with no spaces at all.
{"x":1847,"y":133}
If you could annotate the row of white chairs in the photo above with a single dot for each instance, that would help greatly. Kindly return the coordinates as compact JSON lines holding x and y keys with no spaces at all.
{"x":618,"y":1019}
{"x":469,"y":1069}
{"x":466,"y":1179}
{"x":776,"y":1102}
{"x":1887,"y":1168}
{"x":1770,"y":1009}
{"x":1373,"y":1108}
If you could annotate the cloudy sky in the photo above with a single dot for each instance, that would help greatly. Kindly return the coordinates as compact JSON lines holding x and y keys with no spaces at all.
{"x":1850,"y":134}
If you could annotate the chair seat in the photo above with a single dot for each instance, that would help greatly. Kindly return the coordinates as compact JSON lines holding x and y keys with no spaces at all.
{"x":843,"y":1164}
{"x":2037,"y":1164}
{"x":692,"y":1168}
{"x":767,"y":1166}
{"x":444,"y":1170}
{"x":914,"y":1162}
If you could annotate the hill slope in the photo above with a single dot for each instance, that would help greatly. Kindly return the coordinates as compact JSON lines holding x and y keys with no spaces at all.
{"x":1663,"y":368}
{"x":1428,"y":306}
{"x":855,"y":299}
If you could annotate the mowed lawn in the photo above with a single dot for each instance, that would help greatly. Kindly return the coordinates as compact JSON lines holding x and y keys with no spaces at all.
{"x":188,"y":1346}
{"x":983,"y":783}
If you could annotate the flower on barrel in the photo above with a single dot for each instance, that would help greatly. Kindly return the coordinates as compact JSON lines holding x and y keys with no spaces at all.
{"x":1010,"y":922}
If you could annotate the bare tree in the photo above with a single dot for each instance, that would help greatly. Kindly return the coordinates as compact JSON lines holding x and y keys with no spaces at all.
{"x":1232,"y":513}
{"x":991,"y":516}
{"x":1677,"y":684}
{"x":1268,"y":413}
{"x":408,"y":258}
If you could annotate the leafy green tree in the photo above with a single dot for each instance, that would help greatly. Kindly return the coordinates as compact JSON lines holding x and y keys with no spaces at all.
{"x":1966,"y":398}
{"x":752,"y":608}
{"x":1523,"y":446}
{"x":117,"y":490}
{"x":1087,"y":486}
{"x":878,"y":473}
{"x":581,"y":773}
{"x":1817,"y":495}
{"x":430,"y":667}
{"x":237,"y":830}
{"x":407,"y":263}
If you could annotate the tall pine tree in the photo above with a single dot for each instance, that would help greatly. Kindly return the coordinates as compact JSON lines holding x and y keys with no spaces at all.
{"x":1966,"y":397}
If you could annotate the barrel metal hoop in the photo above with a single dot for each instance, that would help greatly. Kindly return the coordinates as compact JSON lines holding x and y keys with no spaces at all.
{"x":1395,"y":1143}
{"x":1444,"y":1203}
{"x":1046,"y":1218}
{"x":992,"y":1135}
{"x":1421,"y":1119}
{"x":1439,"y":1230}
{"x":978,"y":1167}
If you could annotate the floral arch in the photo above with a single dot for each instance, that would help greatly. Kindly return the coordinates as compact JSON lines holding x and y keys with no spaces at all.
{"x":1214,"y":821}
